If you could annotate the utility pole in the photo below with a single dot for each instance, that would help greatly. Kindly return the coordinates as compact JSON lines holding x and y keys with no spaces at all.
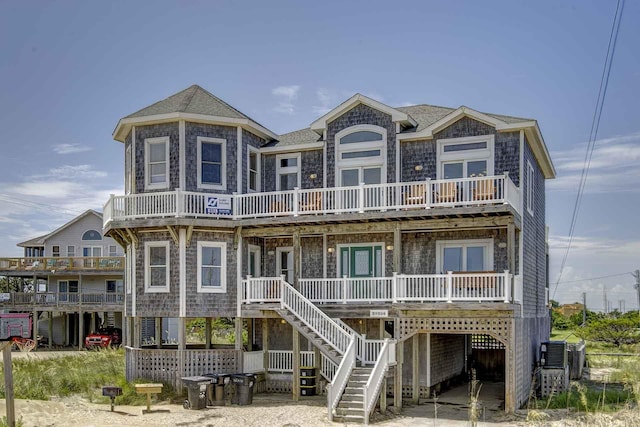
{"x":636,"y":274}
{"x":584,"y":309}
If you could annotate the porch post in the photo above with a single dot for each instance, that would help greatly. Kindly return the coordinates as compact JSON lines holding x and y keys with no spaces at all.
{"x":65,"y":329}
{"x":80,"y":329}
{"x":397,"y":389}
{"x":182,"y":345}
{"x":265,"y":343}
{"x":397,"y":249}
{"x":93,"y":321}
{"x":207,"y":333}
{"x":296,"y":259}
{"x":415,"y":365}
{"x":511,"y":247}
{"x":238,"y":333}
{"x":34,"y":332}
{"x":317,"y":357}
{"x":158,"y":329}
{"x":50,"y":326}
{"x":295,"y":387}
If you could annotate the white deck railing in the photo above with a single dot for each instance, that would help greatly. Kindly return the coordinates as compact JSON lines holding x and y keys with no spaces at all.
{"x":281,"y":361}
{"x":341,"y":378}
{"x":449,"y":287}
{"x":362,"y":198}
{"x":372,"y":387}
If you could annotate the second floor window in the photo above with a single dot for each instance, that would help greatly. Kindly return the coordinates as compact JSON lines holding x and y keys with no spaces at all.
{"x":468,"y":157}
{"x":211,"y":163}
{"x":212,"y":276}
{"x":288,"y":171}
{"x":71,"y":251}
{"x":253,"y":171}
{"x":157,"y":163}
{"x":55,"y":251}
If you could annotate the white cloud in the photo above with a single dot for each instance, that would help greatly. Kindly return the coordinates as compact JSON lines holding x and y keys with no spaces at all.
{"x":78,"y":171}
{"x":286,"y":95}
{"x":325,"y":100}
{"x":613,"y":166}
{"x":70,"y":148}
{"x":287,"y":92}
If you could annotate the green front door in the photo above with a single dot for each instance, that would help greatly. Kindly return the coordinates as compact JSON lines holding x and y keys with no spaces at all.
{"x":361,"y":261}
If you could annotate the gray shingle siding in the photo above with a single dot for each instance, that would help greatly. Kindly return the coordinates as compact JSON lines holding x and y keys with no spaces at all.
{"x":228,"y":133}
{"x":418,"y":153}
{"x":209,"y":304}
{"x":311,"y":164}
{"x":268,"y":172}
{"x":157,"y":304}
{"x":464,"y":127}
{"x":507,"y":155}
{"x":155,"y":131}
{"x":198,"y":304}
{"x":358,"y":115}
{"x":534,"y":253}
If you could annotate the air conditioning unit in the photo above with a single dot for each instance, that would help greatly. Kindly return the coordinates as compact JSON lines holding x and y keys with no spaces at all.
{"x":553,"y":354}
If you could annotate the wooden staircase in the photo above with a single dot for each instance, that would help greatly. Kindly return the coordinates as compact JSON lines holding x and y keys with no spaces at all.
{"x":351,"y":406}
{"x":325,"y":347}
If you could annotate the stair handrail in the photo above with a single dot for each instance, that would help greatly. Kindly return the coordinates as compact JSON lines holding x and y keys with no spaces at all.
{"x":376,"y":377}
{"x":341,"y":378}
{"x":362,"y":344}
{"x":321,"y":324}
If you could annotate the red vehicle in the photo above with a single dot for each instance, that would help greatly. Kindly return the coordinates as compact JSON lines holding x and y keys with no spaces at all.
{"x":104,"y":337}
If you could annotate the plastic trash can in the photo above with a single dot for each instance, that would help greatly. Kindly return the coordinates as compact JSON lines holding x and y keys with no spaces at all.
{"x":216,"y":390}
{"x":196,"y":392}
{"x":244,"y":388}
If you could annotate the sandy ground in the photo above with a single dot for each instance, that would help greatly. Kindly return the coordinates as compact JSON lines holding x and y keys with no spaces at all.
{"x":275,"y":410}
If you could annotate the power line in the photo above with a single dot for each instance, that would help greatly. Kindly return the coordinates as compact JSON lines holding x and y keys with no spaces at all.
{"x":595,"y":124}
{"x":36,"y":205}
{"x":596,"y":278}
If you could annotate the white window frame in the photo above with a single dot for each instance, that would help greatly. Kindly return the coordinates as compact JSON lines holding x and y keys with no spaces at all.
{"x":71,"y":253}
{"x":530,"y":187}
{"x":255,"y":249}
{"x":148,"y":185}
{"x":253,"y":150}
{"x":114,"y":252}
{"x":106,"y":286}
{"x":223,"y":268}
{"x":148,"y":288}
{"x":362,"y":162}
{"x":55,"y":253}
{"x":488,"y":253}
{"x":223,"y":163}
{"x":466,"y":155}
{"x":289,"y":169}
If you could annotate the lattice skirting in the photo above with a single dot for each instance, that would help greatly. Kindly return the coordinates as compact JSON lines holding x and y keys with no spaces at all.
{"x":554,"y":381}
{"x":498,"y":327}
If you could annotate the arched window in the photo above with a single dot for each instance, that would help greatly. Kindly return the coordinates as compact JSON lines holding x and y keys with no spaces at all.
{"x":361,"y":155}
{"x":91,"y":235}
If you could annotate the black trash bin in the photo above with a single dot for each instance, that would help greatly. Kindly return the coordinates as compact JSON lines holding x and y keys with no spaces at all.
{"x":307,"y":381}
{"x":196,"y":392}
{"x":216,"y":390}
{"x":244,"y":388}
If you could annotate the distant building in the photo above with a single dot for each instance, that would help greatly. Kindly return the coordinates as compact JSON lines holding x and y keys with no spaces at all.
{"x":77,"y":281}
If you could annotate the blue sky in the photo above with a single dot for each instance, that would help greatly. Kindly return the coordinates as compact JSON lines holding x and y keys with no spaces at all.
{"x":69,"y":70}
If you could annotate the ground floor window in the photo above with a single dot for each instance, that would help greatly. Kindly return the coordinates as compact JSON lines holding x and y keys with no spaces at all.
{"x":464,"y":255}
{"x":212,"y":259}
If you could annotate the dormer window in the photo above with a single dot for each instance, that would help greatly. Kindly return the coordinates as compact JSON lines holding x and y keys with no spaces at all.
{"x":212,"y":163}
{"x":157,"y":163}
{"x":361,"y":155}
{"x":465,"y":157}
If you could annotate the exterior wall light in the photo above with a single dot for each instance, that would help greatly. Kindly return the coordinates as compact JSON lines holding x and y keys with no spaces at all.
{"x":331,"y":250}
{"x":389,"y":247}
{"x":418,"y":167}
{"x":313,"y":176}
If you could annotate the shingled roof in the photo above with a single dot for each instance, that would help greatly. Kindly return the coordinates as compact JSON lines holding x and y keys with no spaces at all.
{"x":193,"y":99}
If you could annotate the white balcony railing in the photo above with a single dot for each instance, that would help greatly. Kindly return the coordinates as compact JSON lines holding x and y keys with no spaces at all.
{"x":449,"y":287}
{"x":358,"y":199}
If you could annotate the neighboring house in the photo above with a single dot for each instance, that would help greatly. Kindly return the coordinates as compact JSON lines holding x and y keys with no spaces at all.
{"x":70,"y":279}
{"x":416,"y":233}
